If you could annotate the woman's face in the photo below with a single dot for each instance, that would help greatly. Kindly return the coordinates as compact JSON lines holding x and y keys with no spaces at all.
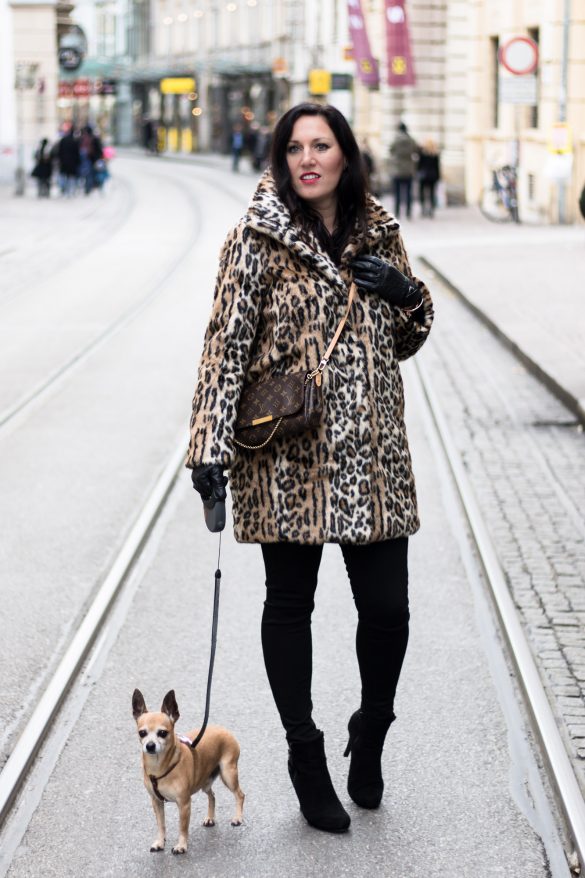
{"x":315,"y":161}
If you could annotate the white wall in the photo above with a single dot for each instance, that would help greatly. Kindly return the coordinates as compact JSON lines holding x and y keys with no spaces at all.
{"x":7,"y":96}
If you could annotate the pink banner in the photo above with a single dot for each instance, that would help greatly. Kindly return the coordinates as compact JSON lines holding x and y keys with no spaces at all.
{"x":367,"y":66}
{"x":400,"y":63}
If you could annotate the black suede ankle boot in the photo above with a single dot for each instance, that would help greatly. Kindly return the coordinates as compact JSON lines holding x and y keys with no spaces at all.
{"x":366,"y":742}
{"x":310,"y":777}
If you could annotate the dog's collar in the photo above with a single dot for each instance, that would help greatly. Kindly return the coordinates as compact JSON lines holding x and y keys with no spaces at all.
{"x":154,"y":780}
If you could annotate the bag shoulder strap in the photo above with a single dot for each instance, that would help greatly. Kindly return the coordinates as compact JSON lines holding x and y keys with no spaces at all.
{"x":327,"y":355}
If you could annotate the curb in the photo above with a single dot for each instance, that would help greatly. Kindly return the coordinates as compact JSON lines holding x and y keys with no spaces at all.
{"x":575,"y":405}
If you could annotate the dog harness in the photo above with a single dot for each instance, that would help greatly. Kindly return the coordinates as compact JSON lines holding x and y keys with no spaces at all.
{"x":154,"y":780}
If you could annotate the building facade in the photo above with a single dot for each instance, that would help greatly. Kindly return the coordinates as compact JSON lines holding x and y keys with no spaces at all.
{"x":28,"y":82}
{"x":544,"y":137}
{"x":198,"y":68}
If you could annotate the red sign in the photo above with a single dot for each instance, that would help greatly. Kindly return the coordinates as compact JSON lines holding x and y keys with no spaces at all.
{"x":400,"y":63}
{"x":81,"y":88}
{"x":519,"y":55}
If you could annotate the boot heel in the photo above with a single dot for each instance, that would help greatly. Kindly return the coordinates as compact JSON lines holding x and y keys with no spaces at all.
{"x":352,"y":727}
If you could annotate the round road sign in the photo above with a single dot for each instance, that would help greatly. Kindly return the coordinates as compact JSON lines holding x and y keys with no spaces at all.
{"x":519,"y":55}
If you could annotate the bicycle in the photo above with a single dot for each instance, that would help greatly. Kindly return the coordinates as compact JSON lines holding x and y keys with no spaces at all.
{"x":499,"y":202}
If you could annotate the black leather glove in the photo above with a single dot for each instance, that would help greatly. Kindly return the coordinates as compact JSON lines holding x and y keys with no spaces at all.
{"x":379,"y":277}
{"x":210,"y":481}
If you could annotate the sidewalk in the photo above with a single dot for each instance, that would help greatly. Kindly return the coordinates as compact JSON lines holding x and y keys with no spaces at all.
{"x":524,"y":282}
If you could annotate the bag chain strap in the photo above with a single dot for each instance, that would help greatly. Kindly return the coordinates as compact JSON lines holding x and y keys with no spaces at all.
{"x":262,"y":444}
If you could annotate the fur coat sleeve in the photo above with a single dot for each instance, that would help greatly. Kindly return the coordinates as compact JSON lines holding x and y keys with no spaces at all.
{"x":411,"y":330}
{"x":226,"y":351}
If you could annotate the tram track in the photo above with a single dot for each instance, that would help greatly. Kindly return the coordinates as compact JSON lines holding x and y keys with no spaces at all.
{"x":559,"y":768}
{"x":41,"y":716}
{"x":560,"y":772}
{"x":16,"y":416}
{"x":39,"y":392}
{"x":47,"y":267}
{"x":36,"y":395}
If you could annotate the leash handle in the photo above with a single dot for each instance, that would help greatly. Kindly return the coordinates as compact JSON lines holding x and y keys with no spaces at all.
{"x":213,"y":645}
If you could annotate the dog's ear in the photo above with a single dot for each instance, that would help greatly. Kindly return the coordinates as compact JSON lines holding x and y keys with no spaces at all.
{"x":169,"y":706}
{"x":138,"y":705}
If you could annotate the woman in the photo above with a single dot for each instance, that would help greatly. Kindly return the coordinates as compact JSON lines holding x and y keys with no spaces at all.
{"x":43,"y":169}
{"x":282,"y":288}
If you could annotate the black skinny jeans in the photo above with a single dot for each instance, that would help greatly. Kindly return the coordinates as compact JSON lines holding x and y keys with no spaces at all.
{"x":378,"y":574}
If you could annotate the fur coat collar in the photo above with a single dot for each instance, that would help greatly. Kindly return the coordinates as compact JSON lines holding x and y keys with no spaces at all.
{"x":267,"y":214}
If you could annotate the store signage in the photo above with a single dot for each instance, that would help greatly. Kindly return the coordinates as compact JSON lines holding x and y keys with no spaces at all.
{"x":519,"y":56}
{"x":319,"y":82}
{"x":341,"y":81}
{"x":81,"y":88}
{"x":560,"y":140}
{"x":400,"y":62}
{"x":366,"y":64}
{"x":177,"y":85}
{"x":25,"y":75}
{"x":105,"y":87}
{"x":280,"y":67}
{"x":70,"y":59}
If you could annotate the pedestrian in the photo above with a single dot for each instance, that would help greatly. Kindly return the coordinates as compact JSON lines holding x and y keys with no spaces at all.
{"x":91,"y":152}
{"x":69,"y":160}
{"x":428,"y":175}
{"x":43,"y":168}
{"x":149,"y":135}
{"x":237,"y":146}
{"x":369,"y":165}
{"x":285,"y":269}
{"x":403,"y":152}
{"x":261,"y":148}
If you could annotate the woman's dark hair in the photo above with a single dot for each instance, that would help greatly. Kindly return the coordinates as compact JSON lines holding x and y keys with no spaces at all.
{"x":351,"y":189}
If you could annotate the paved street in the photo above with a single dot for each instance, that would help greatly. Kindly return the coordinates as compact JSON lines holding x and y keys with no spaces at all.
{"x":120,"y":312}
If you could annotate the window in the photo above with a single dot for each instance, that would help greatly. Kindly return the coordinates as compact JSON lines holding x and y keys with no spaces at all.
{"x":534,"y":34}
{"x":494,"y":76}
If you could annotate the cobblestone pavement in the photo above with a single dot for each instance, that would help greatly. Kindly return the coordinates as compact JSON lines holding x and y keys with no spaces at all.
{"x":525,"y":456}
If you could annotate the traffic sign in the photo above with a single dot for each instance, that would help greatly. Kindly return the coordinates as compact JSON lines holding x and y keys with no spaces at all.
{"x":519,"y":56}
{"x":518,"y":90}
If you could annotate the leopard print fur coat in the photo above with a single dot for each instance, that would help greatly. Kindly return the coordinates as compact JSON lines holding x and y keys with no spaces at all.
{"x":278,"y":300}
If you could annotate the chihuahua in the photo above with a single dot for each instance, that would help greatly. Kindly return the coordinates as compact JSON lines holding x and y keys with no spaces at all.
{"x":173,"y":770}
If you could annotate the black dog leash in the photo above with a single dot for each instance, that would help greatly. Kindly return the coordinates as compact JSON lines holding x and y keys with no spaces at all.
{"x":218,"y":523}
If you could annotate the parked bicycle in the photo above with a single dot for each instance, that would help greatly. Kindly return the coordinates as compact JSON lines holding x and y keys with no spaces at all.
{"x":499,"y":202}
